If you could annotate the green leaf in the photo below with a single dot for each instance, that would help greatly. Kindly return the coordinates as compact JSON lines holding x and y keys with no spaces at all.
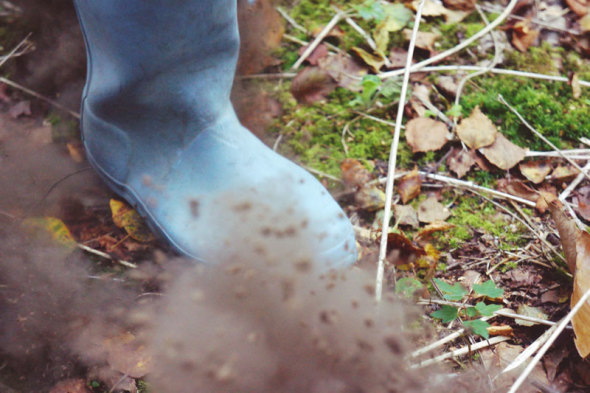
{"x":371,"y":10}
{"x":488,"y":289}
{"x":408,"y":286}
{"x":471,"y":312}
{"x":391,"y":87}
{"x":429,"y":113}
{"x":451,"y":292}
{"x":479,"y":327}
{"x":487,"y":310}
{"x":446,"y":313}
{"x":455,"y":111}
{"x":396,"y":17}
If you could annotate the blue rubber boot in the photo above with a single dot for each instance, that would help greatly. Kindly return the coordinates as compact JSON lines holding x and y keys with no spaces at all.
{"x":158,"y":126}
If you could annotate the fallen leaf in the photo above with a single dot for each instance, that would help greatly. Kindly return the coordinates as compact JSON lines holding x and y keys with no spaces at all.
{"x":370,"y":198}
{"x":425,"y":233}
{"x":312,"y":84}
{"x":447,"y":84}
{"x":529,"y":311}
{"x":581,"y":321}
{"x":500,"y":330}
{"x":424,"y":134}
{"x":564,"y":172}
{"x":354,"y":173}
{"x":318,"y":53}
{"x":535,"y":171}
{"x":583,"y":199}
{"x":431,"y":210}
{"x":406,"y":215}
{"x":430,"y":8}
{"x":585,"y":23}
{"x":345,"y":70}
{"x":575,"y":84}
{"x":477,"y":130}
{"x":70,"y":386}
{"x":401,"y":250}
{"x":21,"y":108}
{"x":375,"y":61}
{"x":518,"y":188}
{"x":54,"y":227}
{"x":409,"y":186}
{"x":523,"y":35}
{"x":503,"y":153}
{"x":129,"y":219}
{"x":424,"y":40}
{"x":544,"y":199}
{"x":396,"y":18}
{"x":464,"y":5}
{"x":127,"y":356}
{"x":460,"y":161}
{"x":398,"y":57}
{"x":580,"y":7}
{"x":568,"y":232}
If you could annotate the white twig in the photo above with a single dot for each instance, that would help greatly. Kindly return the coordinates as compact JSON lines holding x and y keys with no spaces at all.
{"x":322,"y":174}
{"x":572,"y":186}
{"x":277,"y":75}
{"x":530,"y":350}
{"x":291,"y":21}
{"x":311,"y":47}
{"x":541,"y":136}
{"x":464,"y":44}
{"x":105,"y":255}
{"x":562,"y":324}
{"x":14,"y":50}
{"x":462,"y":351}
{"x":393,"y":157}
{"x":39,"y":96}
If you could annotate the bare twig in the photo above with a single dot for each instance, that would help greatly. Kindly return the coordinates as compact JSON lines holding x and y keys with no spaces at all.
{"x":572,"y":186}
{"x":311,"y":47}
{"x":107,"y":256}
{"x":562,"y":324}
{"x":530,"y":350}
{"x":462,"y":351}
{"x":464,"y":44}
{"x":291,"y":21}
{"x":541,"y":136}
{"x":393,"y":157}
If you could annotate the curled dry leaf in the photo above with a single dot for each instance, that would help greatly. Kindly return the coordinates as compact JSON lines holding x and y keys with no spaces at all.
{"x":564,"y":172}
{"x":581,"y":321}
{"x":544,"y":199}
{"x":375,"y":61}
{"x":580,"y":7}
{"x":431,"y":210}
{"x":437,"y":226}
{"x":312,"y":84}
{"x":354,"y":173}
{"x":344,"y":70}
{"x":503,"y":153}
{"x":523,"y":35}
{"x":460,"y":161}
{"x":535,"y":171}
{"x":477,"y":130}
{"x":406,"y":215}
{"x":129,"y":219}
{"x":401,"y":250}
{"x":583,"y":199}
{"x":424,"y":40}
{"x":518,"y":188}
{"x":424,"y":134}
{"x":409,"y":186}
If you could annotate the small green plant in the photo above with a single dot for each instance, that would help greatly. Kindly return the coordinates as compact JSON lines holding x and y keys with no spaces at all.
{"x":471,"y":314}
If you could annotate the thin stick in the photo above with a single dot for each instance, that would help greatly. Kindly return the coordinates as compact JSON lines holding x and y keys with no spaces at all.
{"x":291,"y":21}
{"x":14,"y":50}
{"x":277,"y":75}
{"x":462,"y":351}
{"x":107,"y":256}
{"x":393,"y":157}
{"x":562,"y":324}
{"x":569,"y":152}
{"x":535,"y":21}
{"x":39,"y":96}
{"x":464,"y":44}
{"x":541,"y":136}
{"x":530,"y":350}
{"x":562,"y":197}
{"x":311,"y":47}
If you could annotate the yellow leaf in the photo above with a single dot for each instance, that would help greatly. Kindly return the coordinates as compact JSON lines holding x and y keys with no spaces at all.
{"x":54,"y":227}
{"x":129,"y":219}
{"x":373,"y":61}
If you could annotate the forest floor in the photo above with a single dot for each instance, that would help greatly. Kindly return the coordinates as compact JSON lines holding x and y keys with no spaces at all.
{"x":488,"y":217}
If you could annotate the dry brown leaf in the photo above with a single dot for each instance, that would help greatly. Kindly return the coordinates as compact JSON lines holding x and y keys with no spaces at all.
{"x":126,"y":355}
{"x":535,"y":171}
{"x":583,"y":199}
{"x":523,"y":35}
{"x":580,"y":7}
{"x":370,"y":198}
{"x":318,"y":53}
{"x":312,"y":84}
{"x":465,"y":5}
{"x":401,"y":250}
{"x":424,"y":40}
{"x":581,"y":320}
{"x":431,"y":210}
{"x":406,"y":215}
{"x":585,"y":23}
{"x":409,"y":186}
{"x":354,"y":173}
{"x":345,"y":70}
{"x":430,"y":8}
{"x":437,"y":226}
{"x":544,"y":199}
{"x":375,"y":61}
{"x":460,"y":161}
{"x":567,"y":233}
{"x":424,"y":134}
{"x":70,"y":386}
{"x":477,"y":130}
{"x":518,"y":188}
{"x":448,"y":84}
{"x":564,"y":172}
{"x":503,"y":153}
{"x":398,"y":57}
{"x":500,"y":330}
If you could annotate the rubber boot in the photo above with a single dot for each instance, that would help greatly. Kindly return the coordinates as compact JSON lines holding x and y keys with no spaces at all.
{"x":158,"y":126}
